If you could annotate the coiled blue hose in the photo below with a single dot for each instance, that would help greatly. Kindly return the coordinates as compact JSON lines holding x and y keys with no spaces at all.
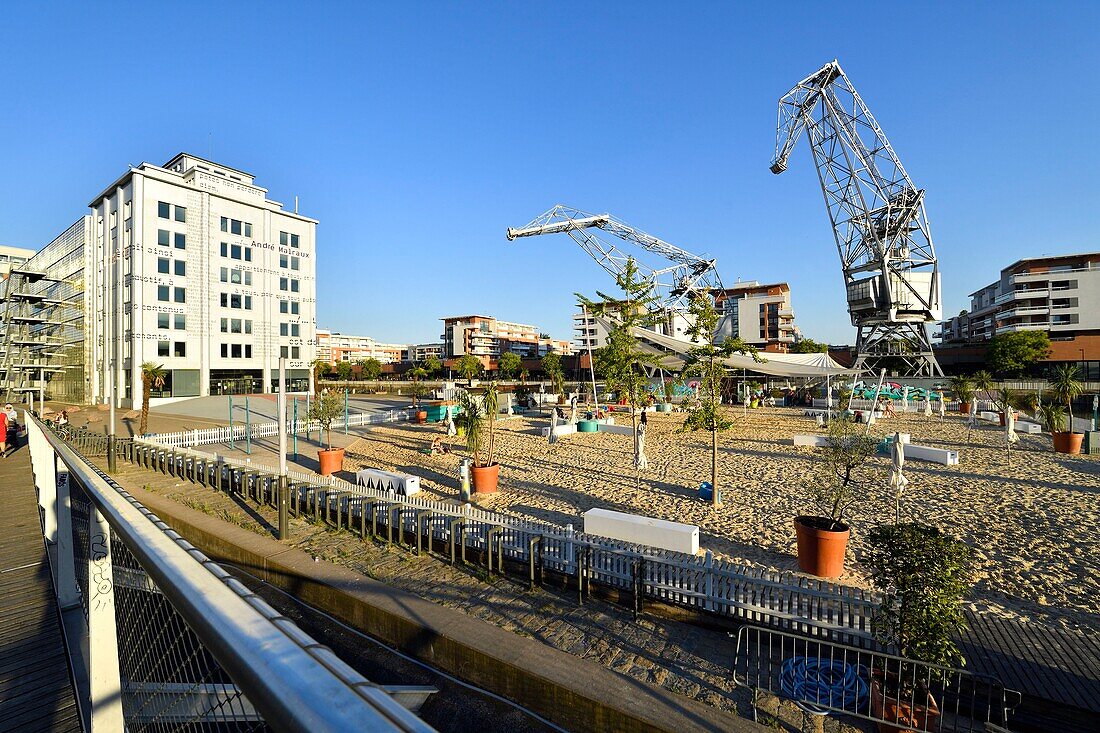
{"x":815,"y":682}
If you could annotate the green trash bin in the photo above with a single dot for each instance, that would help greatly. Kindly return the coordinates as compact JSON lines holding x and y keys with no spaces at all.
{"x":588,"y":426}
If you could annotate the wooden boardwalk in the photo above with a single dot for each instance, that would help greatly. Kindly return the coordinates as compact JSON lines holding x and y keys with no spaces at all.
{"x":1057,"y":671}
{"x":36,"y":689}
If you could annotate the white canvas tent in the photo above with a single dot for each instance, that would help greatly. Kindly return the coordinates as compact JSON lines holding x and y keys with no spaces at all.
{"x":674,"y":351}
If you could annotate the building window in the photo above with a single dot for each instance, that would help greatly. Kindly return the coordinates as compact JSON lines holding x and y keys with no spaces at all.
{"x":284,"y":260}
{"x":181,"y":213}
{"x":163,"y":266}
{"x":294,"y":263}
{"x":247,"y":229}
{"x":234,"y":226}
{"x":248,"y":351}
{"x":225,"y":325}
{"x":284,"y":329}
{"x":294,"y":307}
{"x":235,"y":251}
{"x":162,"y":348}
{"x":225,"y":300}
{"x":162,"y":293}
{"x":181,"y":241}
{"x":284,"y":306}
{"x":247,"y":254}
{"x":283,"y":283}
{"x":180,"y":348}
{"x":295,"y":330}
{"x":248,"y":326}
{"x":284,"y":238}
{"x":225,"y":249}
{"x":234,"y":300}
{"x":294,"y":286}
{"x":162,"y":320}
{"x":164,"y":210}
{"x":248,"y":302}
{"x":180,"y":267}
{"x":247,"y":277}
{"x":235,"y":277}
{"x":180,"y":322}
{"x":295,"y":352}
{"x":284,"y":351}
{"x":225,"y":349}
{"x":224,"y":275}
{"x":294,"y":241}
{"x":180,"y":295}
{"x":163,"y":238}
{"x":235,"y":325}
{"x":225,"y":224}
{"x":235,"y":351}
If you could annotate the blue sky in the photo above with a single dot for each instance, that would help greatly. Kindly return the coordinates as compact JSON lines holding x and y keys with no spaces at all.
{"x":417,"y":133}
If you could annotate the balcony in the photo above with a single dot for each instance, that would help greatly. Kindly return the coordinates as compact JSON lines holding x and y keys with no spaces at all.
{"x":1033,"y":326}
{"x":1048,"y":275}
{"x":1024,"y":311}
{"x":786,"y":312}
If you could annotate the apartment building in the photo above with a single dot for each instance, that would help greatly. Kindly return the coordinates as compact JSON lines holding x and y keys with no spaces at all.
{"x":1059,"y":295}
{"x":487,"y":338}
{"x":760,"y":315}
{"x":417,"y":353}
{"x":334,"y":347}
{"x":188,"y":265}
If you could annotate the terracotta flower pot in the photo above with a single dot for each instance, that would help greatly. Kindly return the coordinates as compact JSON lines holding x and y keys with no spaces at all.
{"x":331,"y":461}
{"x":422,"y":417}
{"x":885,"y":705}
{"x":820,"y":549}
{"x":1002,"y":416}
{"x":1066,"y":442}
{"x":486,"y":478}
{"x":964,"y":408}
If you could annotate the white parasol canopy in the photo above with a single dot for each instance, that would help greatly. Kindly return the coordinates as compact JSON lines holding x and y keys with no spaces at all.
{"x":905,"y":398}
{"x":640,"y":462}
{"x":927,"y":405}
{"x":943,"y":406}
{"x":898,"y":482}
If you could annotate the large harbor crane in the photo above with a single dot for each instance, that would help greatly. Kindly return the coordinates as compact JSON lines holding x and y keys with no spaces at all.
{"x":879,"y":223}
{"x":674,"y":280}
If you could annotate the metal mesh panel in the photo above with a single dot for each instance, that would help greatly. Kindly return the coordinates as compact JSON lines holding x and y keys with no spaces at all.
{"x":170,"y":681}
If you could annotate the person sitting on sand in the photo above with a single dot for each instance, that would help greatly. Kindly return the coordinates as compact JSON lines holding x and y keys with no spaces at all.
{"x":439,"y":447}
{"x":886,"y":406}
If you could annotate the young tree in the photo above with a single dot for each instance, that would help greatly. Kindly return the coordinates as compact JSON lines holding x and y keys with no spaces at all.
{"x":317,"y":369}
{"x":419,"y":389}
{"x":1066,"y":388}
{"x":623,"y":360}
{"x":551,"y":366}
{"x":344,"y":371}
{"x":1013,"y":354}
{"x":469,"y":366}
{"x":705,"y":362}
{"x":152,"y":377}
{"x":371,"y":368}
{"x":326,"y":408}
{"x":983,"y":382}
{"x":509,"y":364}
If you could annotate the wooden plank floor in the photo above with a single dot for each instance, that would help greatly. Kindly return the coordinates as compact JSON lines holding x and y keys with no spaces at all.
{"x":1054,"y":669}
{"x":36,"y":690}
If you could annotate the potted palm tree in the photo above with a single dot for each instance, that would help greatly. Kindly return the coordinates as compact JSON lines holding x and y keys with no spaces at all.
{"x":1053,"y":416}
{"x":844,"y":479}
{"x":983,"y":384}
{"x":1004,"y":400}
{"x":326,"y":408}
{"x":477,"y":415}
{"x":153,"y":376}
{"x":418,"y":390}
{"x":1066,"y":389}
{"x":923,"y":575}
{"x":963,"y":390}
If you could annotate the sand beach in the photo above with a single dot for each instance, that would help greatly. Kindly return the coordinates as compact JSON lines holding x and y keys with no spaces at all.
{"x":1031,"y":515}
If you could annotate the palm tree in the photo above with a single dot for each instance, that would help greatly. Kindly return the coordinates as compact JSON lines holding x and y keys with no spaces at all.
{"x":153,"y":377}
{"x":1066,"y":388}
{"x":983,"y":382}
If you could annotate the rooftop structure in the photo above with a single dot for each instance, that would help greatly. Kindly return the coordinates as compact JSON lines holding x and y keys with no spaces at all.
{"x":13,"y":257}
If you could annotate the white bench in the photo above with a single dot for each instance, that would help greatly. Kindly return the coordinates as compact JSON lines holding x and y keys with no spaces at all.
{"x":642,"y":530}
{"x":989,"y":416}
{"x":393,"y":483}
{"x":559,"y":430}
{"x":934,"y":455}
{"x":1023,"y":426}
{"x":616,"y":429}
{"x":811,"y":441}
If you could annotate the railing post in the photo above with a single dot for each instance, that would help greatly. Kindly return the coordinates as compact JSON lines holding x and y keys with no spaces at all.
{"x":284,"y":510}
{"x":420,"y":514}
{"x":456,"y":531}
{"x":103,"y":671}
{"x":112,"y":461}
{"x":68,"y":593}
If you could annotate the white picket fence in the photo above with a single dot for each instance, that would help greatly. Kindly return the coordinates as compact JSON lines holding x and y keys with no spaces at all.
{"x":267,"y":429}
{"x":726,"y":588}
{"x":914,"y":405}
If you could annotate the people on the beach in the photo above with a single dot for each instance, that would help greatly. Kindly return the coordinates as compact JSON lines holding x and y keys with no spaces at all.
{"x":439,"y":447}
{"x":3,"y":435}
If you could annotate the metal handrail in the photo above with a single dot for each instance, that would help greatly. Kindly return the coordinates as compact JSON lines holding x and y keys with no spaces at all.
{"x":295,"y":684}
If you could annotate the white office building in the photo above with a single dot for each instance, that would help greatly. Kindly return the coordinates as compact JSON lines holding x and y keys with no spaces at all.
{"x":13,"y":257}
{"x":188,"y":265}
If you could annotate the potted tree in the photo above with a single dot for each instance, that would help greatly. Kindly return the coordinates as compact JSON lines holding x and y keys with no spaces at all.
{"x":418,"y":390}
{"x":324,"y":410}
{"x":477,"y":415}
{"x":1066,"y":389}
{"x":844,"y":479}
{"x":963,"y":390}
{"x":983,"y":385}
{"x":1053,"y":416}
{"x":923,"y":575}
{"x":1004,"y":400}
